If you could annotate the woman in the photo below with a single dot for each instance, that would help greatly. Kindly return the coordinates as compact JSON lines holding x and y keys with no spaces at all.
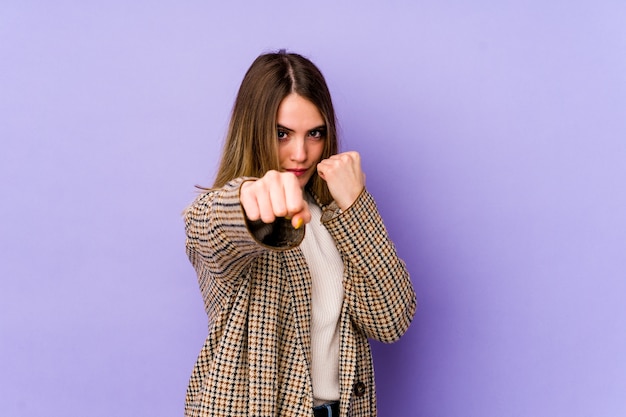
{"x":290,"y":312}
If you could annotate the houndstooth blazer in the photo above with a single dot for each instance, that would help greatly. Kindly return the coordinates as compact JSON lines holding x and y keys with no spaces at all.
{"x":257,"y":292}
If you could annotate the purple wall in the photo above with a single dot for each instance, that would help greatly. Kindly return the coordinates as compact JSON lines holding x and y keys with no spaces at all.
{"x":493,"y":136}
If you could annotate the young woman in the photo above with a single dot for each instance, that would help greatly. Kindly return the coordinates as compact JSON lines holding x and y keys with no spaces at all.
{"x":290,"y":313}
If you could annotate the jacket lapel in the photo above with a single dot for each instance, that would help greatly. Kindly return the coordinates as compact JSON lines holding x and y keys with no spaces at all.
{"x":299,"y":279}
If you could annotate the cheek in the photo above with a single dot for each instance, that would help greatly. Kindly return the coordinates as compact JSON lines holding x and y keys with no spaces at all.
{"x":317,"y":148}
{"x":282,"y":153}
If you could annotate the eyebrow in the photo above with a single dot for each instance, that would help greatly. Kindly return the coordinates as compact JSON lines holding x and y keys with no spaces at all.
{"x":320,"y":127}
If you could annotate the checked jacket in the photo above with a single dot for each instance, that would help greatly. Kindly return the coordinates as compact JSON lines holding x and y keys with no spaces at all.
{"x":257,"y":295}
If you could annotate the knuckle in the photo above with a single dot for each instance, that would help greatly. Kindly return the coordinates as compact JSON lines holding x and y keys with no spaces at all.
{"x":272,"y":175}
{"x":280,"y":210}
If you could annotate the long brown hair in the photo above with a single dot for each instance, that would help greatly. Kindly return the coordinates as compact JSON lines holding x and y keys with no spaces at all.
{"x":251,"y":146}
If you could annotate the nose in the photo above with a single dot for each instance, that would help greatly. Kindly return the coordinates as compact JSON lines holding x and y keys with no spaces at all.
{"x":298,"y":150}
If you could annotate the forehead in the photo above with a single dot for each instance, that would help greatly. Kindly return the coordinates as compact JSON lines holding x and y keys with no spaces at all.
{"x":296,"y":111}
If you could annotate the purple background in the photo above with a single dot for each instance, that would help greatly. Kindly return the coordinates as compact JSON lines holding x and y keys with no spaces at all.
{"x":493,"y":135}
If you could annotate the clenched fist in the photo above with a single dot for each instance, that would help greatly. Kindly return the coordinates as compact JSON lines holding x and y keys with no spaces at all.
{"x":276,"y":194}
{"x":343,"y":175}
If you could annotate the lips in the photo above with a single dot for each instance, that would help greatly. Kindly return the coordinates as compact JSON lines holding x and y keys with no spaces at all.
{"x":298,"y":172}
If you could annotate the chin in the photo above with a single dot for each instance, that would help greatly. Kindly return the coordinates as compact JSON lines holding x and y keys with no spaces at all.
{"x":303,"y":182}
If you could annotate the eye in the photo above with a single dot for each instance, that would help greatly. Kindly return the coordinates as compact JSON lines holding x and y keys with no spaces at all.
{"x":282,"y":134}
{"x":317,"y":133}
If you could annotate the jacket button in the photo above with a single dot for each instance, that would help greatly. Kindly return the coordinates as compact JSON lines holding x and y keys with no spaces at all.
{"x":358,"y":389}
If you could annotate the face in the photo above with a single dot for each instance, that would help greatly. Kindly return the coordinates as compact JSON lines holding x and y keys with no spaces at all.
{"x":301,"y":137}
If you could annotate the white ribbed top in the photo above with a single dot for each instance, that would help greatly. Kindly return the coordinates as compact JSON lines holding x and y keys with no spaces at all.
{"x":326,"y":269}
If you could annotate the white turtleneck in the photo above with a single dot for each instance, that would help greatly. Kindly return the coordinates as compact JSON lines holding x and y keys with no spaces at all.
{"x":326,"y":268}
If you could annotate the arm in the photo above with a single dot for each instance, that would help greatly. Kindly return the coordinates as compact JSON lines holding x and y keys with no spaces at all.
{"x":221,"y":241}
{"x":379,"y":293}
{"x":217,"y":236}
{"x":378,"y":289}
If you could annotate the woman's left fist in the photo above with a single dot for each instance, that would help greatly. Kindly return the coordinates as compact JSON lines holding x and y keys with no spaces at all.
{"x":344,"y":177}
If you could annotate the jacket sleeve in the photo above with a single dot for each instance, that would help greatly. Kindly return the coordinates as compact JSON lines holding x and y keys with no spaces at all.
{"x":378,"y":288}
{"x":221,"y":241}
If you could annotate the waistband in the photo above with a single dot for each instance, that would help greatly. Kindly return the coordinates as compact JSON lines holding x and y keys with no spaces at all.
{"x":327,"y":410}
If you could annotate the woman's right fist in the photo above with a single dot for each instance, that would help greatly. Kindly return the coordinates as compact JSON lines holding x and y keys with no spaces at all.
{"x":276,"y":194}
